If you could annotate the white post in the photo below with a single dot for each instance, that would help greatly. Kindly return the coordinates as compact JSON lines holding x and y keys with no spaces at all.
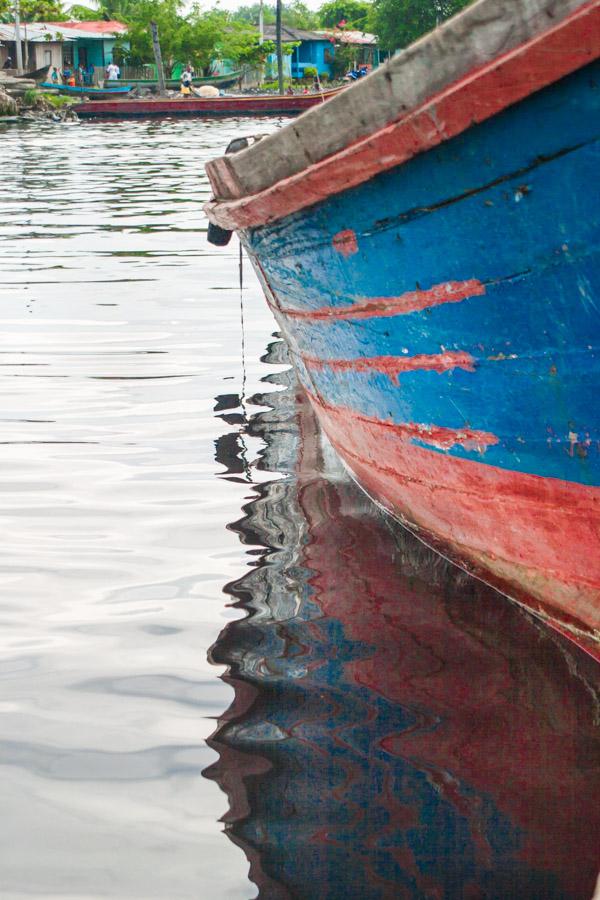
{"x":18,"y":38}
{"x":261,"y":24}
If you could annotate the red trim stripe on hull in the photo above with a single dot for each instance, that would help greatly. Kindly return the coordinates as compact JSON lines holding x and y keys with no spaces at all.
{"x":498,"y":521}
{"x":483,"y":93}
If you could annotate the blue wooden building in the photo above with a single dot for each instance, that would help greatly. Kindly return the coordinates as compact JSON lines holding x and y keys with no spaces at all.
{"x":316,"y":49}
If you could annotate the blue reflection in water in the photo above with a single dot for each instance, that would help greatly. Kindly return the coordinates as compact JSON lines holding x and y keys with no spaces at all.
{"x":398,"y":729}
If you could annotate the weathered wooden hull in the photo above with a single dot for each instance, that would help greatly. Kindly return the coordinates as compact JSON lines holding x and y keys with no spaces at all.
{"x":86,"y":91}
{"x":443,"y":317}
{"x":268,"y":105}
{"x":220,"y":81}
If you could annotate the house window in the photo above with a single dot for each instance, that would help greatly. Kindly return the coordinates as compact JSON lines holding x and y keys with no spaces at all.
{"x":47,"y":57}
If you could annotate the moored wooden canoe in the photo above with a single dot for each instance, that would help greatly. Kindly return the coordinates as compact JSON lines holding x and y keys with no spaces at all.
{"x":220,"y":81}
{"x":87,"y":91}
{"x":257,"y":105}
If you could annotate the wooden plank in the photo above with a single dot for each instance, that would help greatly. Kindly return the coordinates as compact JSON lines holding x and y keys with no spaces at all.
{"x":480,"y":34}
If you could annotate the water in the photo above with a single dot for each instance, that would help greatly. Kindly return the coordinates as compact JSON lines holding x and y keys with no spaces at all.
{"x":222,"y":673}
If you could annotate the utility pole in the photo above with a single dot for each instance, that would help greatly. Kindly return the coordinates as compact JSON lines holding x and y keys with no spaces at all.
{"x":18,"y":37}
{"x":158,"y":58}
{"x":279,"y":56}
{"x":261,"y":40}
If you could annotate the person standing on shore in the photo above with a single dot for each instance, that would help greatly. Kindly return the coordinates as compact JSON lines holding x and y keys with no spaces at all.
{"x":113,"y":72}
{"x":187,"y":77}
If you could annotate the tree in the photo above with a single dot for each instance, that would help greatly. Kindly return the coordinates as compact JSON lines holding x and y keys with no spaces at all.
{"x":354,"y":13}
{"x":295,"y":15}
{"x":83,"y":13}
{"x":33,"y":11}
{"x":398,"y":23}
{"x":250,"y":14}
{"x":166,"y":14}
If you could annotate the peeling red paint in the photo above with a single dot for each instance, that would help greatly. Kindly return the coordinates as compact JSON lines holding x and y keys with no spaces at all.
{"x":379,"y":307}
{"x":501,"y":521}
{"x":437,"y":436}
{"x":345,"y":242}
{"x":393,"y":366}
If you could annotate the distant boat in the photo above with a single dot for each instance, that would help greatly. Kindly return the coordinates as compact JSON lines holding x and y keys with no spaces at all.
{"x":221,"y":81}
{"x":429,"y":243}
{"x":256,"y":105}
{"x":87,"y":91}
{"x":35,"y":75}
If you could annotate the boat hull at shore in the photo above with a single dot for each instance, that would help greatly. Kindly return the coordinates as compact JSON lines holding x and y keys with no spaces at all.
{"x":220,"y":81}
{"x":443,"y":317}
{"x":266,"y":105}
{"x":87,"y":91}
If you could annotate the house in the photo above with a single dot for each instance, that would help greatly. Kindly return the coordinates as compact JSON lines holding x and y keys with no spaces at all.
{"x":309,"y":53}
{"x":62,"y":43}
{"x":41,"y":45}
{"x":317,"y":48}
{"x":91,"y":43}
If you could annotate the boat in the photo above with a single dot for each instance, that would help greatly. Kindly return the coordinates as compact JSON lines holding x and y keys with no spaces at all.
{"x":35,"y":74}
{"x":86,"y":90}
{"x":220,"y":81}
{"x":255,"y":105}
{"x":429,"y":243}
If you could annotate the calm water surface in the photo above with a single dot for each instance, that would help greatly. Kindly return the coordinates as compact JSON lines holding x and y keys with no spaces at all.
{"x":222,"y":673}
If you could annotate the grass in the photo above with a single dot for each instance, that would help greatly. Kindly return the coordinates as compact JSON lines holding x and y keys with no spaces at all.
{"x":29,"y":97}
{"x":58,"y":101}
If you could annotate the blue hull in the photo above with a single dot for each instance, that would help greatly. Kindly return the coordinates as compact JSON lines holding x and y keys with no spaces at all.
{"x":488,"y":393}
{"x":82,"y":90}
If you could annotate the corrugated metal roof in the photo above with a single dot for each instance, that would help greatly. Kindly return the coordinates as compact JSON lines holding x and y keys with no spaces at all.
{"x":62,"y":31}
{"x":96,"y":28}
{"x":293,"y":34}
{"x":354,"y":37}
{"x":341,"y":36}
{"x":35,"y":32}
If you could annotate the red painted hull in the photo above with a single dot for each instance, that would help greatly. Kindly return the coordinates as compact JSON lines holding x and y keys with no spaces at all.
{"x":271,"y":105}
{"x":502,"y":525}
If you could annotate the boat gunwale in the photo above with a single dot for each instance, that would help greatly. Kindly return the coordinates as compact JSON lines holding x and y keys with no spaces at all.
{"x":461,"y":103}
{"x":281,"y":104}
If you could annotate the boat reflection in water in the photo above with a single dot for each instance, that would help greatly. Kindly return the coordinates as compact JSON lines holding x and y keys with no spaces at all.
{"x":398,"y":729}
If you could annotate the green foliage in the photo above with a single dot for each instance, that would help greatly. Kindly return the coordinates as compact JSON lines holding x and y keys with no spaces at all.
{"x":295,"y":15}
{"x":250,"y":14}
{"x":192,"y":39}
{"x":58,"y":100}
{"x":342,"y":61}
{"x":33,"y":11}
{"x":198,"y":37}
{"x":83,"y":13}
{"x":400,"y":22}
{"x":29,"y":97}
{"x":298,"y":15}
{"x":356,"y":14}
{"x":241,"y":44}
{"x":274,"y":85}
{"x":309,"y":73}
